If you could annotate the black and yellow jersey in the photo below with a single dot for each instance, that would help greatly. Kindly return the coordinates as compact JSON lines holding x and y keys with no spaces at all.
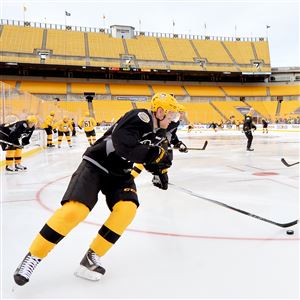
{"x":132,"y":139}
{"x":18,"y":133}
{"x":48,"y":122}
{"x":248,"y":123}
{"x":87,"y":123}
{"x":63,"y":126}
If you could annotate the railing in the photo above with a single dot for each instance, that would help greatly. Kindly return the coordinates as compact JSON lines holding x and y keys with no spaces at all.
{"x":136,"y":33}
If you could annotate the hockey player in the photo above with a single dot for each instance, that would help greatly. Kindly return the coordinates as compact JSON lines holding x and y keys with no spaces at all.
{"x":214,"y":126}
{"x":48,"y":126}
{"x":247,"y":128}
{"x":88,"y":124}
{"x":13,"y":138}
{"x":64,"y":127}
{"x":162,"y":180}
{"x":106,"y":167}
{"x":265,"y":125}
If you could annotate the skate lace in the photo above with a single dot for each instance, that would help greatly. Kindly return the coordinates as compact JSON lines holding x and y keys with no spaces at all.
{"x":28,"y":265}
{"x":96,"y":259}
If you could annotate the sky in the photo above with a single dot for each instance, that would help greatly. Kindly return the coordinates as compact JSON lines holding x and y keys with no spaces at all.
{"x":215,"y":17}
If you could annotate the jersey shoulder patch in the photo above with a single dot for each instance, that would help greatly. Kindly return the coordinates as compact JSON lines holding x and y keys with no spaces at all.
{"x":144,"y":117}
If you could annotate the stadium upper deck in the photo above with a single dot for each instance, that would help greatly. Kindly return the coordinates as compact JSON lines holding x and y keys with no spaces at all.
{"x":48,"y":44}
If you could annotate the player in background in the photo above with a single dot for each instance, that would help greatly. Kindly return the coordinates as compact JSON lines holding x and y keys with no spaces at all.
{"x":48,"y":126}
{"x":247,"y":128}
{"x":214,"y":126}
{"x":88,"y":124}
{"x":74,"y":127}
{"x":64,"y":127}
{"x":265,"y":124}
{"x":13,"y":138}
{"x":106,"y":167}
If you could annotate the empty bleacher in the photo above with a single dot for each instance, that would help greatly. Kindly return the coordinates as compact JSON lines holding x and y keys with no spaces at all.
{"x":178,"y":49}
{"x":204,"y":91}
{"x":102,"y":45}
{"x":245,"y":91}
{"x":291,"y":90}
{"x":266,"y":109}
{"x":110,"y":110}
{"x":64,"y":42}
{"x":145,"y":48}
{"x":20,"y":39}
{"x":130,"y":90}
{"x":80,"y":88}
{"x":289,"y":108}
{"x":229,"y":108}
{"x":43,"y":87}
{"x":241,"y":51}
{"x":213,"y":51}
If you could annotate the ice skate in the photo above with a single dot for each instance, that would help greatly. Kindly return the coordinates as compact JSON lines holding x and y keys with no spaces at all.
{"x":25,"y":269}
{"x":90,"y":267}
{"x":10,"y":169}
{"x":20,"y":167}
{"x":250,"y":149}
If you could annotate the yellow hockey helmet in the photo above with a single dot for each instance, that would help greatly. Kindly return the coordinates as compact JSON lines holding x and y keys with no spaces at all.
{"x":52,"y":113}
{"x":65,"y":118}
{"x":32,"y":119}
{"x":165,"y":101}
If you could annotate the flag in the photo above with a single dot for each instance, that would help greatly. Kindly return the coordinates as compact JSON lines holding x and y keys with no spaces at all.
{"x":67,"y":14}
{"x":268,"y":26}
{"x":173,"y":23}
{"x":103,"y":17}
{"x":140,"y":22}
{"x":205,"y":25}
{"x":24,"y":8}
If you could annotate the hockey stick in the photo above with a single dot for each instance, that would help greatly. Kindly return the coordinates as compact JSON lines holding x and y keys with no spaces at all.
{"x":287,"y":164}
{"x":284,"y":225}
{"x":11,"y":144}
{"x":203,"y":148}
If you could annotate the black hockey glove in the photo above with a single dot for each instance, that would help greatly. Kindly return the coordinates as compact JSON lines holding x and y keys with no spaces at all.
{"x":161,"y":180}
{"x":181,"y":147}
{"x":162,"y":161}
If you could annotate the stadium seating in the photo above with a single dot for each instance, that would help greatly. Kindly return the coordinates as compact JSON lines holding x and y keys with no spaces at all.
{"x":144,"y":48}
{"x":229,"y":108}
{"x":262,"y":50}
{"x":171,"y":89}
{"x":130,"y":89}
{"x":266,"y":109}
{"x":64,"y":42}
{"x":285,"y":90}
{"x":110,"y":110}
{"x":202,"y":113}
{"x":80,"y":88}
{"x":102,"y":45}
{"x":43,"y":87}
{"x":213,"y":51}
{"x":204,"y":91}
{"x":20,"y":39}
{"x":241,"y":51}
{"x":289,"y":107}
{"x":245,"y":91}
{"x":178,"y":49}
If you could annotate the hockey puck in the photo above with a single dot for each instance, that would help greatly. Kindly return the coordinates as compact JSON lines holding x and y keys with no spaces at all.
{"x":290,"y":232}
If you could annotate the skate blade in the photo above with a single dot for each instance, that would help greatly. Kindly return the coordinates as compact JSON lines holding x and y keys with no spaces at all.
{"x":83,"y":272}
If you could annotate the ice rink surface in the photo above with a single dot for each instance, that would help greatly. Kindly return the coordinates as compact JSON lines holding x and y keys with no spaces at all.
{"x":179,"y":245}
